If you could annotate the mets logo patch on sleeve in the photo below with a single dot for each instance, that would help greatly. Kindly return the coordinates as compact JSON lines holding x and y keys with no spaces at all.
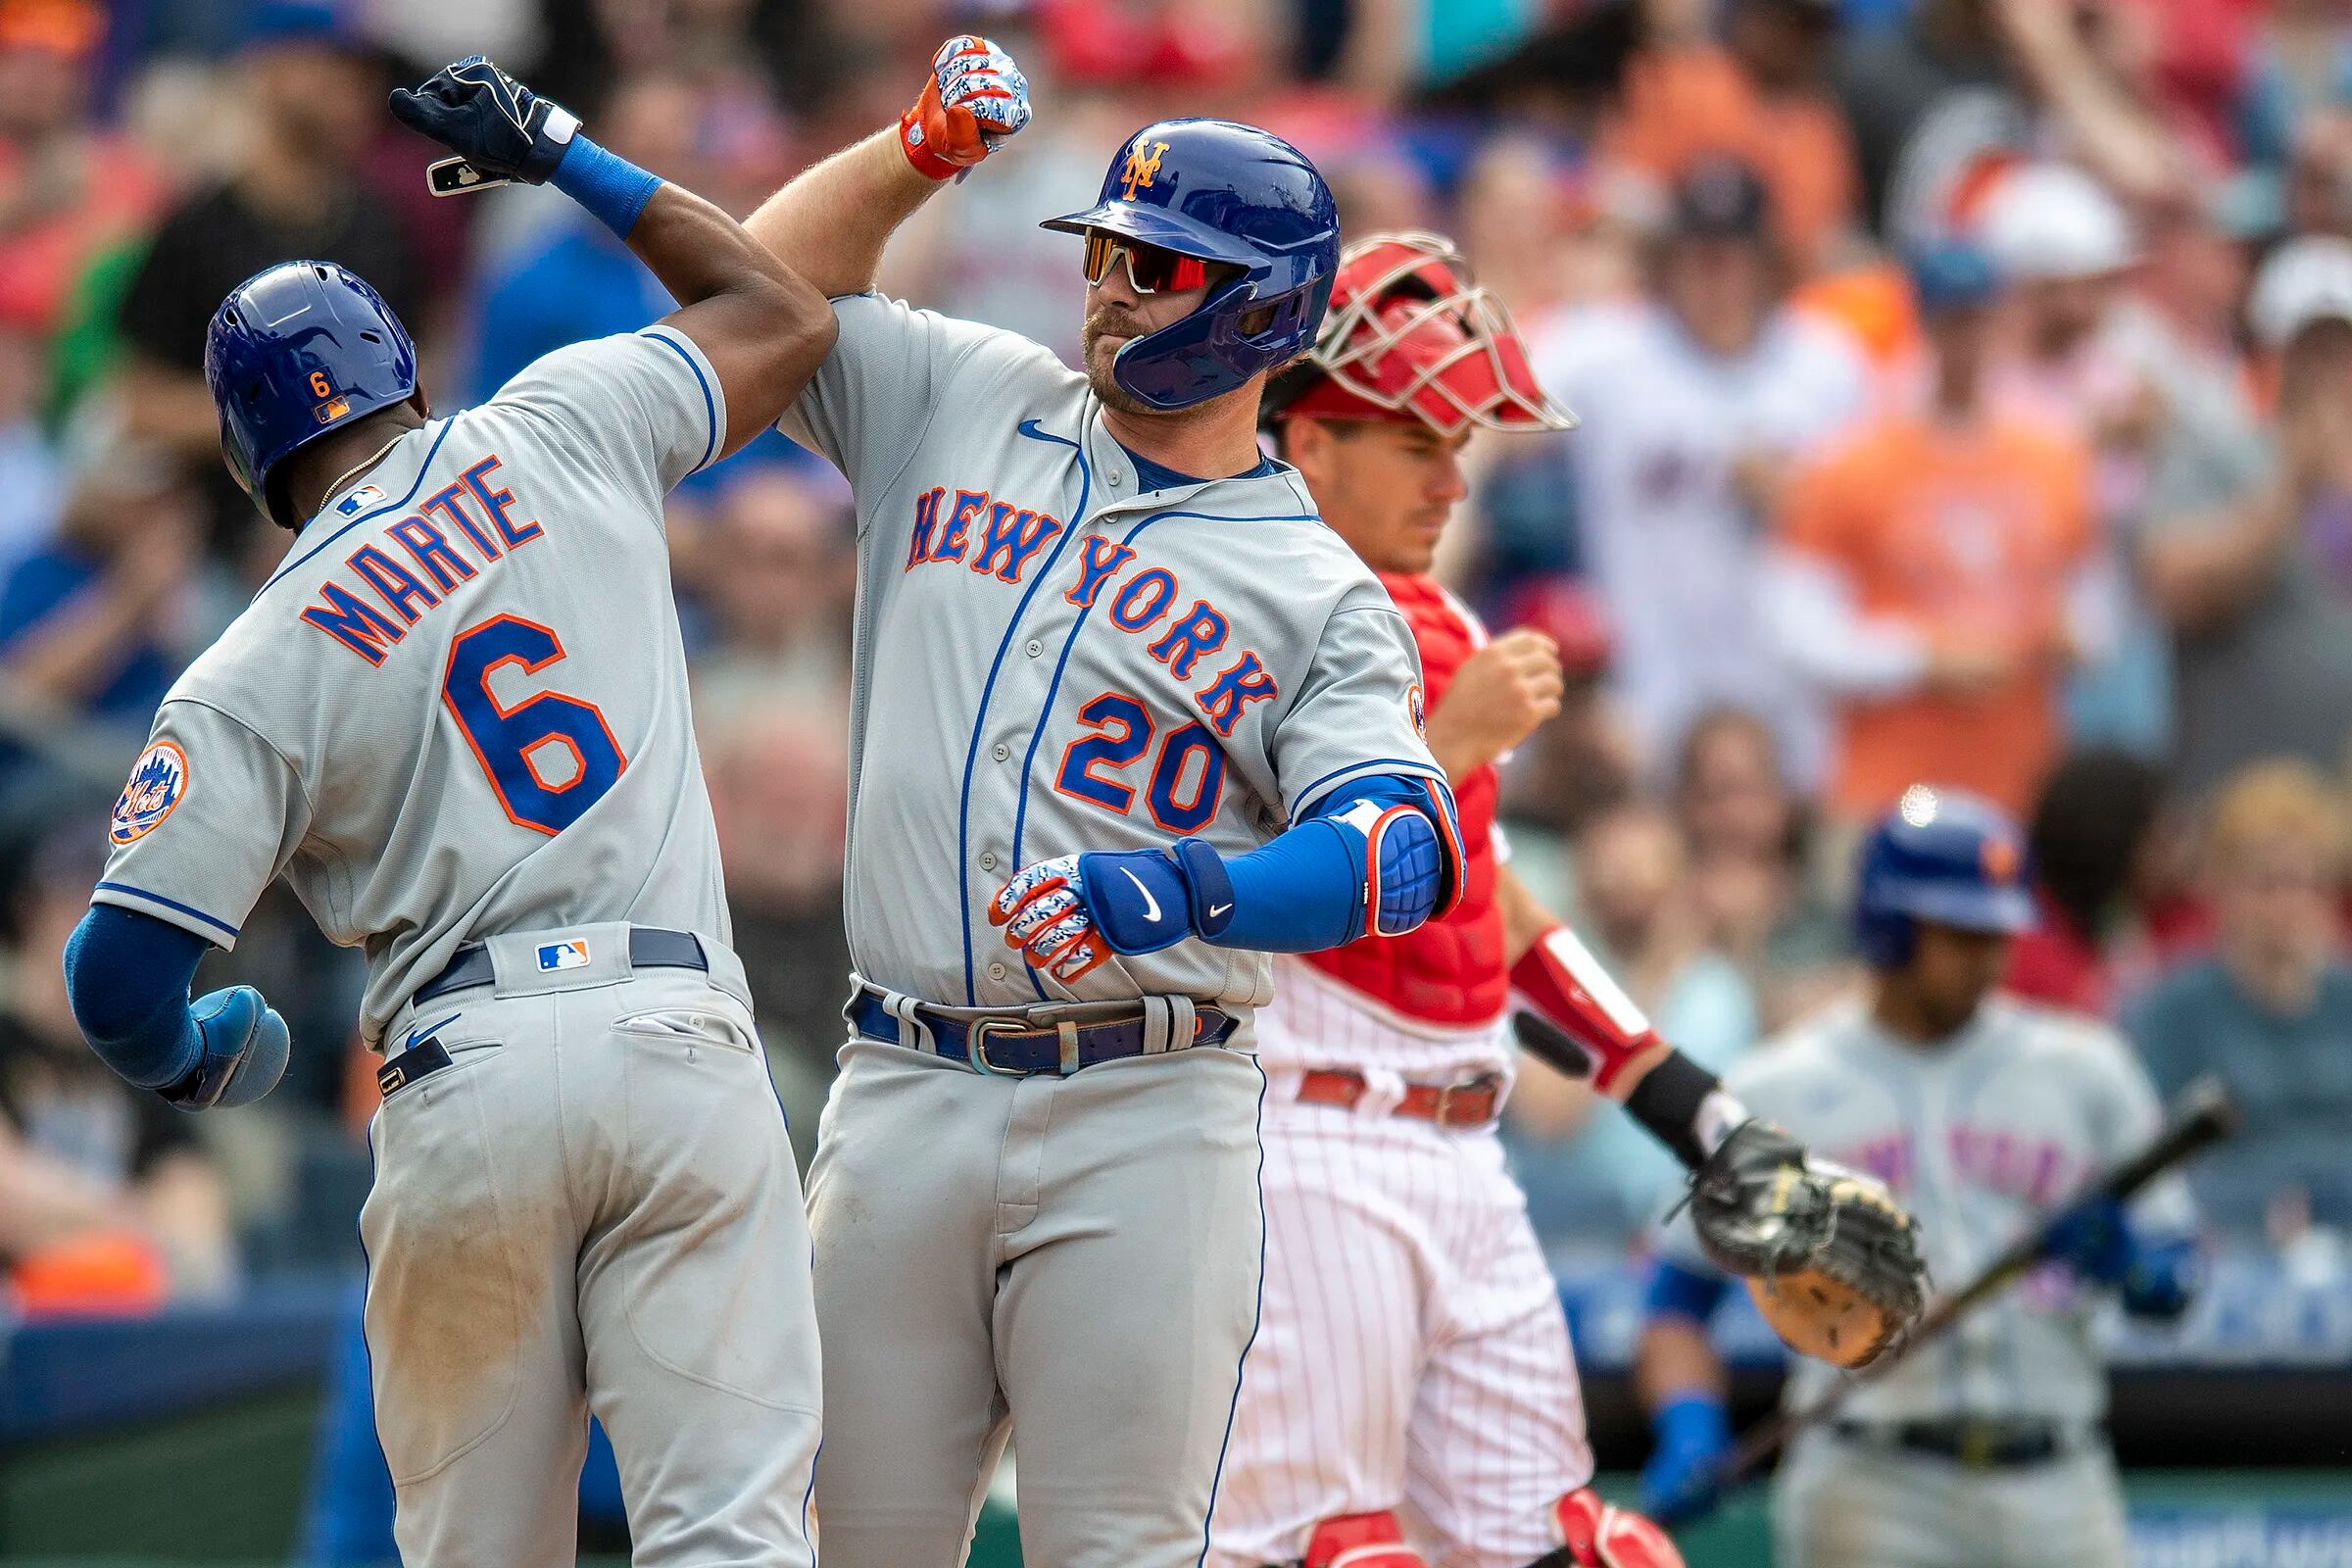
{"x":157,"y":782}
{"x":1415,"y":711}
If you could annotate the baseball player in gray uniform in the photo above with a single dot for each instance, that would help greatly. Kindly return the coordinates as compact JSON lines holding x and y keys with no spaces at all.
{"x":1126,"y":716}
{"x":456,"y":722}
{"x":1983,"y":1115}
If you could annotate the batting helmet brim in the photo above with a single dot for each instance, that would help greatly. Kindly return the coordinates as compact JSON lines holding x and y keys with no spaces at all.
{"x":2006,"y":909}
{"x":1154,"y":226}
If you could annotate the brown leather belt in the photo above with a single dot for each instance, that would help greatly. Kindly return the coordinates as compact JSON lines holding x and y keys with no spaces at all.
{"x":1472,"y":1103}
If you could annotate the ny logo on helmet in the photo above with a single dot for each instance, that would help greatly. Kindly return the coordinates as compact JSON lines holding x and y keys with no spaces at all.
{"x":1139,"y":170}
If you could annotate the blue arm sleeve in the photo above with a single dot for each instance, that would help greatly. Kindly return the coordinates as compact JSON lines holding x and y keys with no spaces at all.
{"x":128,"y":976}
{"x":1678,"y":1292}
{"x":1304,"y":891}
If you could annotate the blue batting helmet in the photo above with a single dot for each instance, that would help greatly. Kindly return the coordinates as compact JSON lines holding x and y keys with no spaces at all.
{"x":298,"y":350}
{"x":1941,"y":857}
{"x":1232,"y":194}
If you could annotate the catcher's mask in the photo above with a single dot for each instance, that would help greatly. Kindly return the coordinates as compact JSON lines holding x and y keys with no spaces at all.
{"x":1410,"y":335}
{"x":1219,"y":191}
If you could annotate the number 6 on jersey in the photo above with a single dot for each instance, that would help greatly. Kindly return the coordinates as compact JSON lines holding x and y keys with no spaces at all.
{"x":505,"y":739}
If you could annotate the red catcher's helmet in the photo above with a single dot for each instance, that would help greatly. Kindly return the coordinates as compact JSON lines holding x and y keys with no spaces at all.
{"x":1410,"y":336}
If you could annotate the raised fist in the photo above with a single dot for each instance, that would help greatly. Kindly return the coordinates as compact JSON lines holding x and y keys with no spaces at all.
{"x":500,"y":129}
{"x":1497,"y":697}
{"x":976,"y":97}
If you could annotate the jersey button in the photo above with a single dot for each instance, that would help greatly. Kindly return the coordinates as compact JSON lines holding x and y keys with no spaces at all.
{"x":1036,"y":649}
{"x":1117,"y":478}
{"x":997,"y":971}
{"x":988,"y":861}
{"x":1000,"y":750}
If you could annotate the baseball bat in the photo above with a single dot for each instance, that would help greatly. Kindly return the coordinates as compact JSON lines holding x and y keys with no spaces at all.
{"x":2202,"y":1116}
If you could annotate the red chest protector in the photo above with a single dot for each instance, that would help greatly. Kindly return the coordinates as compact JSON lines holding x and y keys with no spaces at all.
{"x":1450,"y":970}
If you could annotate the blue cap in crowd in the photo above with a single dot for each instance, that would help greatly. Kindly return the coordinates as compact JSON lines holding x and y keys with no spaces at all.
{"x":1949,"y":275}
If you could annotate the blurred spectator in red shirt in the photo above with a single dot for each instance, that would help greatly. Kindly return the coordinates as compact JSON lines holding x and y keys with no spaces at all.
{"x":67,"y":189}
{"x":2093,"y":845}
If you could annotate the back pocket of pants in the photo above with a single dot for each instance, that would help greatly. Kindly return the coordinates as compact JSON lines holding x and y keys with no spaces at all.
{"x":444,"y":1313}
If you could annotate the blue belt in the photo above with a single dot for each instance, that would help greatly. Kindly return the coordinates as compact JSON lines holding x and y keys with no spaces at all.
{"x":1018,"y":1047}
{"x":650,"y":948}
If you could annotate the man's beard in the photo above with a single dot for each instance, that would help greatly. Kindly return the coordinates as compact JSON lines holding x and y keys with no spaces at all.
{"x":1098,"y":363}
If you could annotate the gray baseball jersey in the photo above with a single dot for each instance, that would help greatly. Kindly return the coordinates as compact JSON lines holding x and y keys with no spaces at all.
{"x":1048,"y":662}
{"x":1978,"y":1136}
{"x":460,"y":705}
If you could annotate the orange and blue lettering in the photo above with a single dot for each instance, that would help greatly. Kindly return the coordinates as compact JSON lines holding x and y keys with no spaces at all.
{"x":1098,"y":559}
{"x":1245,"y":682}
{"x":425,"y":542}
{"x":353,"y":622}
{"x":927,"y":517}
{"x":498,"y":502}
{"x":1013,"y":537}
{"x":1168,"y":778}
{"x":1144,"y":600}
{"x":1106,"y":713}
{"x":392,"y":582}
{"x":447,"y":501}
{"x":969,"y":504}
{"x":1202,"y":631}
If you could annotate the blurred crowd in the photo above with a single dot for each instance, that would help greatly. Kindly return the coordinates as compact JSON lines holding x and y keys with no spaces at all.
{"x":1965,"y":391}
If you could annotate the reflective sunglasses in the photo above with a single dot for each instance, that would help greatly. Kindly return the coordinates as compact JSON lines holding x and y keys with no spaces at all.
{"x":1149,"y":269}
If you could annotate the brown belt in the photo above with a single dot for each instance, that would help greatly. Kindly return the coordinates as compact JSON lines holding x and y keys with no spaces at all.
{"x":1473,"y":1102}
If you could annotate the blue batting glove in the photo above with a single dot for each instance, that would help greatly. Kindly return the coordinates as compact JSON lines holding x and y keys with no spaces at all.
{"x":1681,"y":1479}
{"x":494,"y":122}
{"x":2094,"y":1240}
{"x":245,"y":1047}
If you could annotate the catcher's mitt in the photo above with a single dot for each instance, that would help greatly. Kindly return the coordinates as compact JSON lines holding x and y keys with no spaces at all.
{"x":1832,"y":1259}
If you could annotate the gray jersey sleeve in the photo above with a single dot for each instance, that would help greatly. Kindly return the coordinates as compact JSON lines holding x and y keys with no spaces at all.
{"x":2124,"y":1115}
{"x":210,"y":815}
{"x":1358,"y":712}
{"x":871,"y":402}
{"x":645,"y":408}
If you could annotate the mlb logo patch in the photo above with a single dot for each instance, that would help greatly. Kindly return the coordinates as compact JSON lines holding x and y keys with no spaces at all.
{"x":563,"y":955}
{"x":366,"y":494}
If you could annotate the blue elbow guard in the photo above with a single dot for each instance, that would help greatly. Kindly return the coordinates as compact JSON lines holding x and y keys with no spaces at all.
{"x":1405,"y":867}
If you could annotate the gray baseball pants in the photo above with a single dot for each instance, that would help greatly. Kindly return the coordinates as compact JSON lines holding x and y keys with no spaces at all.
{"x":1075,"y":1259}
{"x":593,"y":1208}
{"x":1842,"y":1504}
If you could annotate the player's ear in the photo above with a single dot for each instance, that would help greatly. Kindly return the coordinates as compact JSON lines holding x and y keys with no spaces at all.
{"x":425,"y":407}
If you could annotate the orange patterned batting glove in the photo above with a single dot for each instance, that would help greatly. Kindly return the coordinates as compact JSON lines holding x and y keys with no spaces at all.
{"x":976,"y":97}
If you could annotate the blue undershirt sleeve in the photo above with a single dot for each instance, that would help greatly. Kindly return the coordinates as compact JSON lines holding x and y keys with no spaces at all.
{"x":128,"y":976}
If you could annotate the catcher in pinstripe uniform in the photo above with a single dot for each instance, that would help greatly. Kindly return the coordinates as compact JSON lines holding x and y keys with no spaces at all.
{"x":1411,"y":1399}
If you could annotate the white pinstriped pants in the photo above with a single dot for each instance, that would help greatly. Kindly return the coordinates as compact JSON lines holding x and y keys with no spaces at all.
{"x":1410,"y":1354}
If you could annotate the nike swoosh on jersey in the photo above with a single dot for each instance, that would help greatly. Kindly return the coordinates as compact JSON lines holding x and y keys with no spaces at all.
{"x":1218,"y":909}
{"x":1150,"y":904}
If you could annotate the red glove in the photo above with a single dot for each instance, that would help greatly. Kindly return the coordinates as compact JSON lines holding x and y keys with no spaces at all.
{"x":976,"y":97}
{"x":1601,"y":1535}
{"x":1561,"y":979}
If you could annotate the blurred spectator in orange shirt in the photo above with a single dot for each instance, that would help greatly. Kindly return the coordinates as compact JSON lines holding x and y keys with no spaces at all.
{"x":1759,"y":96}
{"x":66,"y":189}
{"x":1934,"y":574}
